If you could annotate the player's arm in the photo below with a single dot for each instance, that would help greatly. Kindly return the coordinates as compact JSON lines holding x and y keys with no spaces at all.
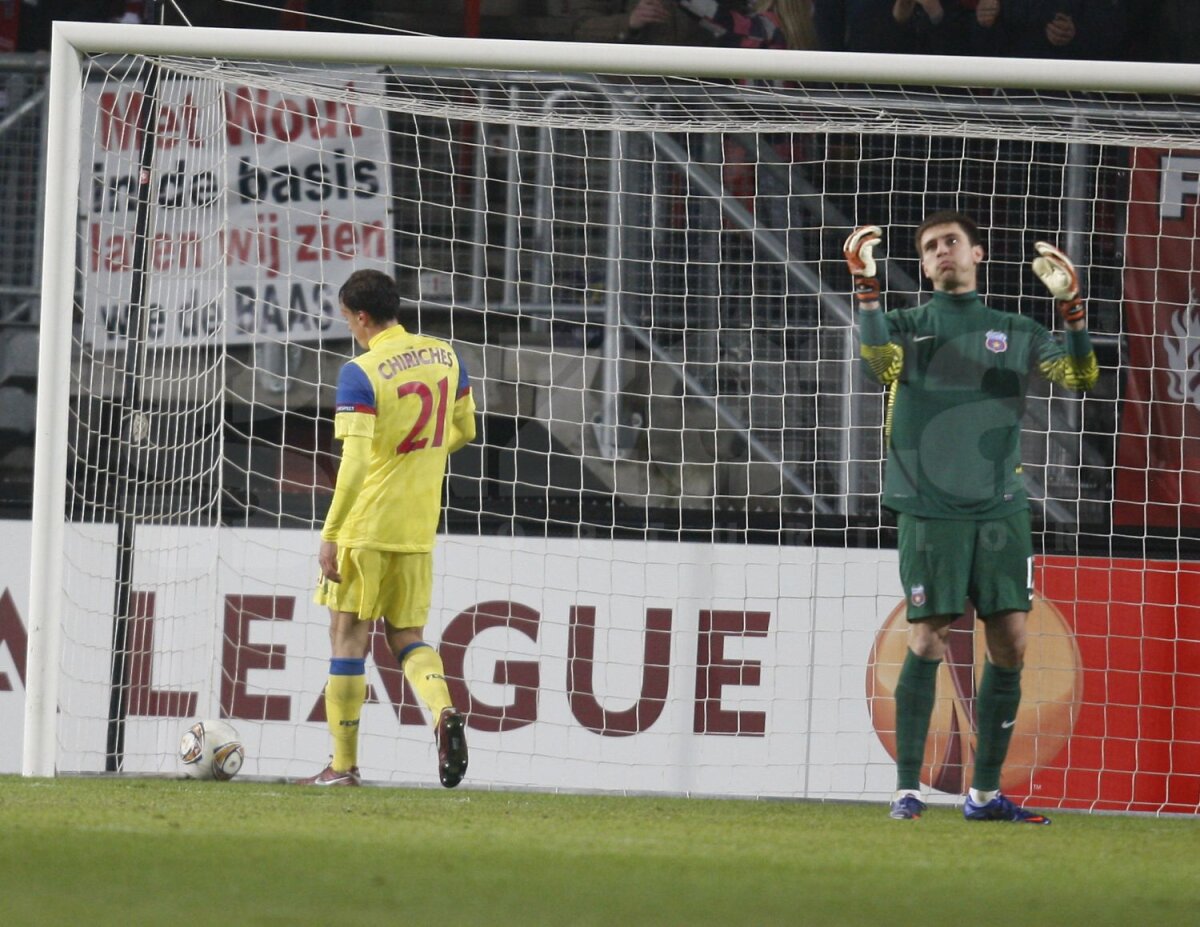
{"x":462,"y":424}
{"x":354,"y":426}
{"x":352,"y":472}
{"x":883,"y":357}
{"x":1077,"y":367}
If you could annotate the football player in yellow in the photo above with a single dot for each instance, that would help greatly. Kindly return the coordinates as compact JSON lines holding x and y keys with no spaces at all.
{"x":402,"y":408}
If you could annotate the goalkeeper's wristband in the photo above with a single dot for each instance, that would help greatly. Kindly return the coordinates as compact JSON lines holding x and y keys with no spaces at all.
{"x":1071,"y":309}
{"x":866,"y":290}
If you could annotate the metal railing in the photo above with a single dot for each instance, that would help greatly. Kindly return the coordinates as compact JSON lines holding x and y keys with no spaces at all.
{"x":22,"y":178}
{"x":642,"y":234}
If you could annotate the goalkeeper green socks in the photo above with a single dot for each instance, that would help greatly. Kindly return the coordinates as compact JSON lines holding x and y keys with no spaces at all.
{"x":915,"y":694}
{"x":995,"y":714}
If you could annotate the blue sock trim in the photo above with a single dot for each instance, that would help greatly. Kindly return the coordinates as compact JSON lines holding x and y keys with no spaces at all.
{"x":409,"y":649}
{"x":348,"y":666}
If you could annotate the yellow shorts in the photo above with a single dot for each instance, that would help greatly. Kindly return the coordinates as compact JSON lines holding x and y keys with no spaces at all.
{"x":384,"y":584}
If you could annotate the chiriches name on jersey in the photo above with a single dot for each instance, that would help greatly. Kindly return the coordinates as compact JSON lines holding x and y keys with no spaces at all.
{"x":398,"y":362}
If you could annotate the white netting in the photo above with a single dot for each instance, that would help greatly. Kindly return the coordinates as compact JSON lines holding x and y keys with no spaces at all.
{"x":652,"y":103}
{"x":665,"y":565}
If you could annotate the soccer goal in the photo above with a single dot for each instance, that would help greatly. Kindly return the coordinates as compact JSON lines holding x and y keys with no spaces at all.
{"x":664,"y":565}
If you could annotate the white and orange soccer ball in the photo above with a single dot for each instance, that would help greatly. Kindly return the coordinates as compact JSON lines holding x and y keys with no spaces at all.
{"x":211,"y":750}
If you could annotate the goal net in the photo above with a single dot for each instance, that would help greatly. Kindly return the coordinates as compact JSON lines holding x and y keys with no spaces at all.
{"x":663,"y":566}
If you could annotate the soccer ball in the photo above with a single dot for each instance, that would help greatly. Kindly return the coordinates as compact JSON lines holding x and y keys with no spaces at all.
{"x":211,"y":750}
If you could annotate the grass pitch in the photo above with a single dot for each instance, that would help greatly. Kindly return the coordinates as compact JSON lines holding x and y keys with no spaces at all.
{"x":99,"y":851}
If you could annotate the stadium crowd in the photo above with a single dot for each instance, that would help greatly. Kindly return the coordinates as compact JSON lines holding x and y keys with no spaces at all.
{"x":1153,"y":30}
{"x":1149,"y":30}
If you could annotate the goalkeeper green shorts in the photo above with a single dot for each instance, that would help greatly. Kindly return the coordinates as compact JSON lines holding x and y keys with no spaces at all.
{"x":944,"y":562}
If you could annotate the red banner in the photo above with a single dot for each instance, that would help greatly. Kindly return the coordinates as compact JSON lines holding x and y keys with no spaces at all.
{"x":1136,"y":739}
{"x":10,"y":22}
{"x":1110,"y":695}
{"x":1158,"y":454}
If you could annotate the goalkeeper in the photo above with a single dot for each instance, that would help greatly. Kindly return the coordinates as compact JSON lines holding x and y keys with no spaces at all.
{"x":957,"y":373}
{"x":402,"y":408}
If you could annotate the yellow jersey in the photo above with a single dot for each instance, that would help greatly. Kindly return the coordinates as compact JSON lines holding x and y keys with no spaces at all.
{"x":410,"y":395}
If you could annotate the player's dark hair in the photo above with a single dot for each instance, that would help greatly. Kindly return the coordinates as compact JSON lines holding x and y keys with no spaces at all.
{"x":948,"y":217}
{"x":372,"y":292}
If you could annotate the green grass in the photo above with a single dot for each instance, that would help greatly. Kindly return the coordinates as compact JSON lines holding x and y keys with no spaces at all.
{"x":97,"y":851}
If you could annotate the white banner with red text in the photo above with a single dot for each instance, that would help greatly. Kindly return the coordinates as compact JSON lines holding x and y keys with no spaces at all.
{"x":263,"y":203}
{"x":625,"y":666}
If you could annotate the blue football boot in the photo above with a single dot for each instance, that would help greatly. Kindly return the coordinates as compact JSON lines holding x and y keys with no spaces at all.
{"x":1001,"y":809}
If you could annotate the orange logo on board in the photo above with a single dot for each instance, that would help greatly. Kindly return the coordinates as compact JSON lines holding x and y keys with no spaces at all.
{"x":1051,"y":691}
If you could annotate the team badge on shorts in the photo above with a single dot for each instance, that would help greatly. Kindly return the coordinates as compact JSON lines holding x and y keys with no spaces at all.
{"x":996,"y":342}
{"x":916,"y":595}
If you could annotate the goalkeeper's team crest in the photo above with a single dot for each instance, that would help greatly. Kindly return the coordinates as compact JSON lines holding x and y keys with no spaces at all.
{"x":996,"y":342}
{"x":916,"y":595}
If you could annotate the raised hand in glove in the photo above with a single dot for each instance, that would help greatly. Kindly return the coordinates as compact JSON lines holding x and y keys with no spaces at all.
{"x":1058,"y":274}
{"x":858,"y":252}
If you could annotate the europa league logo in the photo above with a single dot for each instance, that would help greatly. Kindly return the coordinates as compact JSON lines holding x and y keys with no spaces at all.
{"x":1051,"y":690}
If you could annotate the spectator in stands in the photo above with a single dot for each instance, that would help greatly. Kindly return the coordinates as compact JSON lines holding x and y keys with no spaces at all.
{"x":766,"y":24}
{"x":195,"y":13}
{"x":37,"y":16}
{"x":938,"y":27}
{"x":987,"y":36}
{"x":860,"y":26}
{"x":1080,"y":29}
{"x":324,"y":16}
{"x":1172,"y":32}
{"x":650,"y":22}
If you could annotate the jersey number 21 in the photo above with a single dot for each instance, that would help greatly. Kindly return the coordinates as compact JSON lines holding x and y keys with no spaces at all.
{"x":422,"y":391}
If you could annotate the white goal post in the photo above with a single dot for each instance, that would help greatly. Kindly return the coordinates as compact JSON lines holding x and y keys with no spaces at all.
{"x":664,"y":566}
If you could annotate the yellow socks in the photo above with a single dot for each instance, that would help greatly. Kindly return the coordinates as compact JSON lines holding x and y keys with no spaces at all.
{"x":345,"y":693}
{"x":424,"y":671}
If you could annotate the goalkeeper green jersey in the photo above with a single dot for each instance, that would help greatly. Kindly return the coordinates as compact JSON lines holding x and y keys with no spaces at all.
{"x":957,"y":374}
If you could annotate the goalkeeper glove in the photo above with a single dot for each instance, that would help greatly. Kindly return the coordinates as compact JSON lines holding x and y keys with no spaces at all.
{"x":857,"y":250}
{"x":1058,"y":274}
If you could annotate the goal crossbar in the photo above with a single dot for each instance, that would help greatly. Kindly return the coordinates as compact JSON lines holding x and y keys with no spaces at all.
{"x":667,"y":60}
